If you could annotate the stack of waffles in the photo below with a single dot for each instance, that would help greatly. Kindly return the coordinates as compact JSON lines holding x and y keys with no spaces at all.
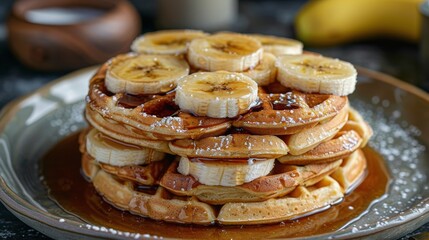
{"x":224,"y":128}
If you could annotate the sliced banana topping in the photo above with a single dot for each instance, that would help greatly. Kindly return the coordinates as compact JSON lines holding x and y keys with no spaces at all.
{"x":225,"y":173}
{"x":145,"y":74}
{"x":225,"y":51}
{"x":216,"y":94}
{"x":265,"y":72}
{"x":165,"y":42}
{"x":316,"y":74}
{"x":107,"y":150}
{"x":278,"y":45}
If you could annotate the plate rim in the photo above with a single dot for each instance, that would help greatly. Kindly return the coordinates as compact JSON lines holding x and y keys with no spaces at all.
{"x":19,"y":206}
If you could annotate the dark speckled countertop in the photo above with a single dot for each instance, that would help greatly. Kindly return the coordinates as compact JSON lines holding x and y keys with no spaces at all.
{"x":268,"y":17}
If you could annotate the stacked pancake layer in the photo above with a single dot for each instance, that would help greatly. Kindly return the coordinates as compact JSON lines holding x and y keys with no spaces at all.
{"x":223,"y":128}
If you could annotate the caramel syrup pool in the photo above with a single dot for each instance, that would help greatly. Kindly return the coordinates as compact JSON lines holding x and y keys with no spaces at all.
{"x":67,"y":187}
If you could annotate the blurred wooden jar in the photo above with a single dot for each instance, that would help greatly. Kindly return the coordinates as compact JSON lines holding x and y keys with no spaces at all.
{"x":70,"y":34}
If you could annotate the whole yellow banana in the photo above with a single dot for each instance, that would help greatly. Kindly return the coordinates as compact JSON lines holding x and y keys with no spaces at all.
{"x":330,"y":22}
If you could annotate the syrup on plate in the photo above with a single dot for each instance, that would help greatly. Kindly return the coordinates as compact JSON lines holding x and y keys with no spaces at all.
{"x":60,"y":168}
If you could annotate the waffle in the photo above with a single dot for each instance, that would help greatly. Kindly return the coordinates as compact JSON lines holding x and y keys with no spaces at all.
{"x":123,"y":132}
{"x":353,"y":135}
{"x":158,"y":203}
{"x":289,"y":112}
{"x":288,"y":186}
{"x":232,"y":148}
{"x":147,"y":175}
{"x":352,"y":171}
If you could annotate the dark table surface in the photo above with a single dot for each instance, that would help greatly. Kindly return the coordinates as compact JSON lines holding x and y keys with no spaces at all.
{"x":396,"y":58}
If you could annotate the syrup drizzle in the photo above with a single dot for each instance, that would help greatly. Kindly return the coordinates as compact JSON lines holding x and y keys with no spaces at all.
{"x":68,"y":188}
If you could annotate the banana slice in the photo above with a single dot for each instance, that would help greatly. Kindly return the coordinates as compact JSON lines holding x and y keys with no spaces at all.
{"x":311,"y":73}
{"x":225,"y":173}
{"x":278,"y":45}
{"x":145,"y":74}
{"x":107,"y":150}
{"x":173,"y":42}
{"x":265,"y":72}
{"x":216,"y":94}
{"x":225,"y":51}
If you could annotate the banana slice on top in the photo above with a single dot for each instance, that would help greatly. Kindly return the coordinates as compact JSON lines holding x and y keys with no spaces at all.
{"x":265,"y":72}
{"x":226,"y":173}
{"x":216,"y":94}
{"x":107,"y":150}
{"x":316,"y":74}
{"x":145,"y":74}
{"x":278,"y":45}
{"x":225,"y":51}
{"x":173,"y":42}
